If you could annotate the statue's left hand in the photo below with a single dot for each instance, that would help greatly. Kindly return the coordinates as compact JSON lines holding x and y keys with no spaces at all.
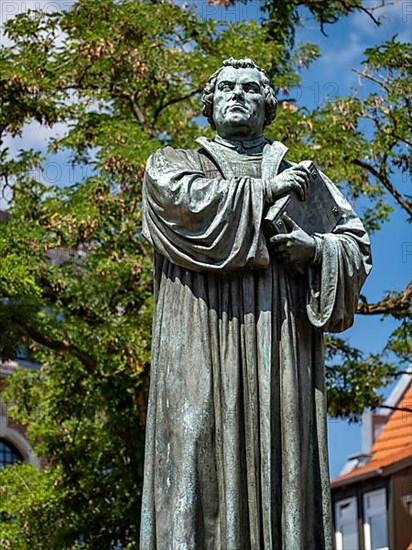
{"x":294,"y":247}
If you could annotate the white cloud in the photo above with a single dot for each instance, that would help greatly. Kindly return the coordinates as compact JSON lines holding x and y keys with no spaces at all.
{"x":342,"y":50}
{"x":347,"y":48}
{"x":11,"y":8}
{"x":394,"y":18}
{"x":337,"y":61}
{"x":34,"y":136}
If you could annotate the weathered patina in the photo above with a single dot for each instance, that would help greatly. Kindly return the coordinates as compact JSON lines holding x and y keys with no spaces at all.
{"x":236,"y":451}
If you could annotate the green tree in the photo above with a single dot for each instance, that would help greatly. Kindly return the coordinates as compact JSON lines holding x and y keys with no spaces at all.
{"x":124,"y":78}
{"x":377,"y":165}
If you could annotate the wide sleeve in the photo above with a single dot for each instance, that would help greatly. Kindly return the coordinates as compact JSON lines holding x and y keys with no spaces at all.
{"x":334,"y":285}
{"x":202,"y":223}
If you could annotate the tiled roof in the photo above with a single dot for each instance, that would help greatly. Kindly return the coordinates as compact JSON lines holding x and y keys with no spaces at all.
{"x":393,"y":444}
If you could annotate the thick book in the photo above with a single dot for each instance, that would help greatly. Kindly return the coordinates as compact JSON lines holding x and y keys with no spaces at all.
{"x":319,"y":213}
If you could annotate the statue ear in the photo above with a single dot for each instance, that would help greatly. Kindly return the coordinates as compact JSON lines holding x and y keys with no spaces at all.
{"x":271,"y":105}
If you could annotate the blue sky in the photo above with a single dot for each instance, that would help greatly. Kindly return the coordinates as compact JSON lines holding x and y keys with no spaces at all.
{"x":341,"y":50}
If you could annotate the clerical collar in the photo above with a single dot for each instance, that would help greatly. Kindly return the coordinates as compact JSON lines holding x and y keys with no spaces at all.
{"x":242,"y":147}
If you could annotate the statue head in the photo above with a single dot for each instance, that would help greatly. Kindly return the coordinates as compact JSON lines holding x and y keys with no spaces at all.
{"x":238,"y":100}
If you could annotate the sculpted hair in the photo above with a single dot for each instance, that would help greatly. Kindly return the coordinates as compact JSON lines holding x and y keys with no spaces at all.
{"x":209,"y":90}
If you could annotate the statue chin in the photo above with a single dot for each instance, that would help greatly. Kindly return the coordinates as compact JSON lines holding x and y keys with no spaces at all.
{"x":238,"y":129}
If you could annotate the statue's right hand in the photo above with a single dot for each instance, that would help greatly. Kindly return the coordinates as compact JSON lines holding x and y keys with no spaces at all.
{"x":296,"y":178}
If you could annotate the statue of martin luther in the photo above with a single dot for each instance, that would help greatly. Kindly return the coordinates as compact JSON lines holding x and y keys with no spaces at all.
{"x":236,"y":453}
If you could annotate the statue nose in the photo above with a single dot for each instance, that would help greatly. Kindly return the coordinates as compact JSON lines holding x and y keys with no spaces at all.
{"x":237,"y":91}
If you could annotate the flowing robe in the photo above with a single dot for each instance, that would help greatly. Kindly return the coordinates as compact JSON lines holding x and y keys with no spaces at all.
{"x":236,"y":450}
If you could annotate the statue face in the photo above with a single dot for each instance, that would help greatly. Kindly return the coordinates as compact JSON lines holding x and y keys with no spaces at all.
{"x":239,"y":104}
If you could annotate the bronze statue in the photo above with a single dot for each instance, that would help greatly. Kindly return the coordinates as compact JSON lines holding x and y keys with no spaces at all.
{"x":236,"y":454}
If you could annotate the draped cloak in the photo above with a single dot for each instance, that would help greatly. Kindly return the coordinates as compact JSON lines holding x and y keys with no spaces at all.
{"x":236,"y":450}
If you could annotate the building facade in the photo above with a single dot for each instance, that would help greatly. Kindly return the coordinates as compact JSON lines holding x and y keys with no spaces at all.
{"x":14,"y":446}
{"x":372,"y":497}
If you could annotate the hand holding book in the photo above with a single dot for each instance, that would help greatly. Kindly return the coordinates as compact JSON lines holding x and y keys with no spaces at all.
{"x":315,"y":211}
{"x":296,"y":178}
{"x":295,"y":246}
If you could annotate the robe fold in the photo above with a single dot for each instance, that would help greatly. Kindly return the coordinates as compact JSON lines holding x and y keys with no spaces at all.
{"x":236,"y":450}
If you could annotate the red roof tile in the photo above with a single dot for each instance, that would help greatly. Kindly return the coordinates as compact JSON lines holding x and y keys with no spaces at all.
{"x":393,"y":444}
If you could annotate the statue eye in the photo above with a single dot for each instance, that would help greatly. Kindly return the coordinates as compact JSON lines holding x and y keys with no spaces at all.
{"x":225,"y":86}
{"x":252,"y":88}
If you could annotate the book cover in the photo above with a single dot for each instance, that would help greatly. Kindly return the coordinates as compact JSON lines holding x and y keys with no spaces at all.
{"x":319,"y":213}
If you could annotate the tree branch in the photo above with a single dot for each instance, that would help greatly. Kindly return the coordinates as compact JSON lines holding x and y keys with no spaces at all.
{"x":140,"y":117}
{"x":56,"y":345}
{"x":387,"y":184}
{"x":2,"y":130}
{"x":370,"y":14}
{"x":176,"y":100}
{"x":364,"y":74}
{"x":403,"y":409}
{"x":396,"y":306}
{"x":368,"y":11}
{"x":60,"y":346}
{"x":138,"y":113}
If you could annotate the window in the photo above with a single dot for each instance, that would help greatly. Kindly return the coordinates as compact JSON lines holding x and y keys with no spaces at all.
{"x":347,"y":524}
{"x":8,"y":454}
{"x":375,"y":520}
